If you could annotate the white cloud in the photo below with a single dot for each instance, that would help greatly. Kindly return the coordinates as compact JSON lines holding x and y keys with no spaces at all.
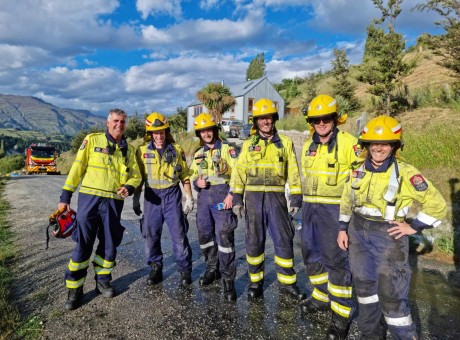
{"x":209,"y":4}
{"x":153,"y":7}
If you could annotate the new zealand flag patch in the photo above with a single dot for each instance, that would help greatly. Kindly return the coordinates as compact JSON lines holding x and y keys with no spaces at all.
{"x":149,"y":155}
{"x":310,"y":153}
{"x":255,"y":148}
{"x":418,"y":182}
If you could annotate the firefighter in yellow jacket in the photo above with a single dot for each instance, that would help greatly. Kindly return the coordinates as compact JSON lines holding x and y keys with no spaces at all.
{"x":374,"y":206}
{"x":266,"y":164}
{"x":163,"y":166}
{"x":210,"y":172}
{"x":326,"y":159}
{"x":107,"y":168}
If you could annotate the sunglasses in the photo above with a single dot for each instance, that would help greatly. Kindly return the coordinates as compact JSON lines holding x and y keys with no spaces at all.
{"x":325,"y":120}
{"x":158,"y":123}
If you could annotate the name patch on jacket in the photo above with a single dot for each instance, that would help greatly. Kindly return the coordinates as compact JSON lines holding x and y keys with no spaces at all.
{"x":418,"y":182}
{"x":310,"y":153}
{"x":359,"y":174}
{"x":149,"y":155}
{"x":101,"y":150}
{"x":254,"y":148}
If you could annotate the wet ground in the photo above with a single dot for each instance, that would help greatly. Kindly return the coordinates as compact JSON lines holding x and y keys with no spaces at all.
{"x":168,"y":311}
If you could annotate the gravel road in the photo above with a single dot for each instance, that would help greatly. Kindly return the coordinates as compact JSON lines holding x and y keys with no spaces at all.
{"x":171,"y":312}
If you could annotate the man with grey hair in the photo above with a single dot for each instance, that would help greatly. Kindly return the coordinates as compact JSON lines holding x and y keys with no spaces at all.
{"x":108,"y":172}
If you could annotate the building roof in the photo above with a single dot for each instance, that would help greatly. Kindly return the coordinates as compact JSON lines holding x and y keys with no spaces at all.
{"x":238,"y":90}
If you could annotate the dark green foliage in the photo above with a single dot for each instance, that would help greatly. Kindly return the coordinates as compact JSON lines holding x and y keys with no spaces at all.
{"x":178,"y":121}
{"x":256,"y":68}
{"x":11,"y":163}
{"x":383,"y":65}
{"x":217,"y":98}
{"x":136,"y":127}
{"x":289,"y":88}
{"x":342,"y":87}
{"x":79,"y":137}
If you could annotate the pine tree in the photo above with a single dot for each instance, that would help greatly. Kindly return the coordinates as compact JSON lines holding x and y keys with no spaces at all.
{"x":256,"y":68}
{"x":342,"y":87}
{"x":383,"y":66}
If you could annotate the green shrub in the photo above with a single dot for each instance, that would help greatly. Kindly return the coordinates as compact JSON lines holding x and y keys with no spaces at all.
{"x":11,"y":163}
{"x":292,"y":123}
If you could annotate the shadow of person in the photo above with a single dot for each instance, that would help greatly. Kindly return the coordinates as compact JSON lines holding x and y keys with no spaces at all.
{"x":454,"y":276}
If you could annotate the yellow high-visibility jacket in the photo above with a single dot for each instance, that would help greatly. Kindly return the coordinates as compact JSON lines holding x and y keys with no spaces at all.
{"x":325,"y":168}
{"x":161,"y":172}
{"x":365,"y":192}
{"x":102,"y":168}
{"x":266,"y":166}
{"x":204,"y":163}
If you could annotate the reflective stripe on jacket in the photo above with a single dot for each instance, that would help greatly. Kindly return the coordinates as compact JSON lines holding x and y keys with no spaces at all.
{"x":162,"y":171}
{"x":266,"y":166}
{"x":325,"y":168}
{"x":204,"y":163}
{"x":102,"y":168}
{"x":366,"y":190}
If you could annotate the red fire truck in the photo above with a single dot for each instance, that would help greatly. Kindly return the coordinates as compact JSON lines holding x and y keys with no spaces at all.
{"x":41,"y":158}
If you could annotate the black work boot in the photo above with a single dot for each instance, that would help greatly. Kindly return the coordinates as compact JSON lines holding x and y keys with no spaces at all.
{"x":229,"y":289}
{"x":74,"y":298}
{"x":255,"y":289}
{"x":156,"y":274}
{"x":293,"y":291}
{"x":209,"y":277}
{"x":185,"y":279}
{"x":105,"y":288}
{"x":311,"y":305}
{"x":338,"y":330}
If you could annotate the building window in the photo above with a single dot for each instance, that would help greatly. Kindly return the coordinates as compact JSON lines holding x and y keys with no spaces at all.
{"x":250,"y":104}
{"x":197,"y":110}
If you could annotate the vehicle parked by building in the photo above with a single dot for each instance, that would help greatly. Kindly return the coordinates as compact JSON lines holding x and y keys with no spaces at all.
{"x":232,"y":127}
{"x":245,"y":131}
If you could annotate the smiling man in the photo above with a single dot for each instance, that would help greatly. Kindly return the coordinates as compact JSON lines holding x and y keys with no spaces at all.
{"x":266,"y":164}
{"x":326,"y":158}
{"x":107,"y":168}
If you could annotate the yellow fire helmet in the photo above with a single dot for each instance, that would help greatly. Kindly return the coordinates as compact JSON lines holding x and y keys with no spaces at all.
{"x":156,"y":122}
{"x":383,"y":129}
{"x":321,"y":106}
{"x":263,"y":107}
{"x":204,"y":121}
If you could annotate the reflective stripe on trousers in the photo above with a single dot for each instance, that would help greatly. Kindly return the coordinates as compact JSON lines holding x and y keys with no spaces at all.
{"x":326,"y":264}
{"x":97,"y":217}
{"x":381,"y":275}
{"x":165,"y":205}
{"x":268,"y":211}
{"x":216,"y":230}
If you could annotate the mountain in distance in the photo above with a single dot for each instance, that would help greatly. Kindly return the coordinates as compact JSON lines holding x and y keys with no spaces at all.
{"x":28,"y":113}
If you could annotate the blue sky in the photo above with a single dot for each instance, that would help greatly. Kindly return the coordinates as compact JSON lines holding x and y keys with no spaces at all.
{"x":154,"y":55}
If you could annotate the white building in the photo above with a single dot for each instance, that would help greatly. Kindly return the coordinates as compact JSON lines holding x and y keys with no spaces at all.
{"x":246,"y":94}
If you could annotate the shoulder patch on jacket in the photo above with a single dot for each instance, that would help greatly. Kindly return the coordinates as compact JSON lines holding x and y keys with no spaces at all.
{"x":233,"y":153}
{"x":418,"y":182}
{"x":83,"y":144}
{"x":357,"y":149}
